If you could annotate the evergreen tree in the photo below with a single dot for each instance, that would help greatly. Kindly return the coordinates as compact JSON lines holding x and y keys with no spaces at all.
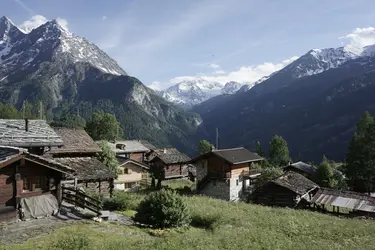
{"x":258,"y":149}
{"x":360,"y":159}
{"x":325,"y":174}
{"x":204,"y":147}
{"x":279,"y":152}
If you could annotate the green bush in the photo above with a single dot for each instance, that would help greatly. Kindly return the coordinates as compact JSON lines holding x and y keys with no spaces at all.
{"x":119,"y":201}
{"x":163,"y":209}
{"x":71,"y":242}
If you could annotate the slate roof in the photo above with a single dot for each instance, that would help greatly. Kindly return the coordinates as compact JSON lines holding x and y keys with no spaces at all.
{"x":8,"y":153}
{"x":148,"y":145}
{"x":233,"y":155}
{"x":75,"y":141}
{"x":307,"y":168}
{"x":87,"y":168}
{"x":39,"y":134}
{"x":171,"y":156}
{"x":347,"y":199}
{"x":130,"y":146}
{"x":295,"y":182}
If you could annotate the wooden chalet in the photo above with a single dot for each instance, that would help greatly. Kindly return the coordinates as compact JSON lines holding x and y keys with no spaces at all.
{"x":288,"y":190}
{"x":131,"y":174}
{"x":34,"y":135}
{"x":30,"y":185}
{"x":226,"y":173}
{"x":169,"y":163}
{"x":80,"y":154}
{"x":131,"y":149}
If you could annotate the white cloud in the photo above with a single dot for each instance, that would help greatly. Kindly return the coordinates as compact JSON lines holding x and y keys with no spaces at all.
{"x":359,"y":38}
{"x":214,"y":66}
{"x":38,"y":20}
{"x":219,"y":72}
{"x":245,"y":74}
{"x":104,"y":18}
{"x":33,"y":22}
{"x":155,"y":85}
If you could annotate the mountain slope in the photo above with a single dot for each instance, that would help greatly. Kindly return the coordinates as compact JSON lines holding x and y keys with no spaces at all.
{"x":194,"y":90}
{"x":68,"y":74}
{"x":314,"y":109}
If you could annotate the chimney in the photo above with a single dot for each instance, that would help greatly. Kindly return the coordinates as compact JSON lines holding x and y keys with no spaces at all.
{"x":27,"y":125}
{"x":165,"y":150}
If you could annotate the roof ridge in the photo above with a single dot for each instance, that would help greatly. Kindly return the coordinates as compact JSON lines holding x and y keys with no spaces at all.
{"x":226,"y":149}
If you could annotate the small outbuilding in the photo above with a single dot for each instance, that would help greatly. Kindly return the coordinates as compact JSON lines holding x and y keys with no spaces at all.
{"x":288,"y":190}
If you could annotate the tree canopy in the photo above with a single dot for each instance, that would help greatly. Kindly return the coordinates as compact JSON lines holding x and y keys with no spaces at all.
{"x":204,"y":147}
{"x":103,"y":126}
{"x":279,"y":152}
{"x":325,"y":174}
{"x":70,"y":121}
{"x":360,"y":158}
{"x":108,"y":156}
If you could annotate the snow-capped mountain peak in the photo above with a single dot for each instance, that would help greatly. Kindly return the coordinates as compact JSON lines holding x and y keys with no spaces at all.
{"x":231,"y":87}
{"x":50,"y":40}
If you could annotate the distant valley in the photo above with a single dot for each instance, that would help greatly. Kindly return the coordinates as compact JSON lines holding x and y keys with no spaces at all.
{"x":314,"y":103}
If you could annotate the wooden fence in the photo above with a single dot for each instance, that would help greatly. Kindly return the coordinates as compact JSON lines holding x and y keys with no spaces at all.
{"x":79,"y":199}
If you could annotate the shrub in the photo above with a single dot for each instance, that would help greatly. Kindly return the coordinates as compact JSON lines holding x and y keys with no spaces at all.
{"x":71,"y":242}
{"x":119,"y":201}
{"x":163,"y":209}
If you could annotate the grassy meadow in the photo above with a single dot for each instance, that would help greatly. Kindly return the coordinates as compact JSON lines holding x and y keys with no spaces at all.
{"x":219,"y":225}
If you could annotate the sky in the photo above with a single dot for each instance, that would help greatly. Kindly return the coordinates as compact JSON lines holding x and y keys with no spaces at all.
{"x":164,"y":42}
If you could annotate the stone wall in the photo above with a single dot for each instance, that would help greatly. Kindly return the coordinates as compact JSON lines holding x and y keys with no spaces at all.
{"x":102,"y":187}
{"x":217,"y":189}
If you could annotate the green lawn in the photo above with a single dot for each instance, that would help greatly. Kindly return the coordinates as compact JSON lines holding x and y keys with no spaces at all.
{"x":227,"y":226}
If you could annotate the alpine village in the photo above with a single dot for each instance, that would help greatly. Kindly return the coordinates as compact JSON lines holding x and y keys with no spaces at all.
{"x":91,"y":158}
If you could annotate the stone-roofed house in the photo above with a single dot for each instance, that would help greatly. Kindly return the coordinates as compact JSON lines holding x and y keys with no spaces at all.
{"x":226,"y":173}
{"x":30,"y":182}
{"x":288,"y":190}
{"x":34,"y":135}
{"x":169,"y":163}
{"x":80,"y":153}
{"x":132,"y":149}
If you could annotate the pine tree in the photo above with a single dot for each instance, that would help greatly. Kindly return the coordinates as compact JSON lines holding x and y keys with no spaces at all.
{"x":325,"y":174}
{"x":258,"y":149}
{"x":279,"y":152}
{"x":360,"y":159}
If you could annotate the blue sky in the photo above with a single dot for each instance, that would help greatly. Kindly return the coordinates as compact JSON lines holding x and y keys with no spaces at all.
{"x":165,"y":41}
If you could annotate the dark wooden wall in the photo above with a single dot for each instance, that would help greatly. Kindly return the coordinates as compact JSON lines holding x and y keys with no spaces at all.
{"x":274,"y":195}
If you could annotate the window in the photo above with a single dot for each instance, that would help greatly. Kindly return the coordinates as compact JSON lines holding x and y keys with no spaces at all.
{"x":38,"y":182}
{"x":237,"y":182}
{"x":127,"y":171}
{"x":26,"y":184}
{"x":130,"y":185}
{"x":34,"y":183}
